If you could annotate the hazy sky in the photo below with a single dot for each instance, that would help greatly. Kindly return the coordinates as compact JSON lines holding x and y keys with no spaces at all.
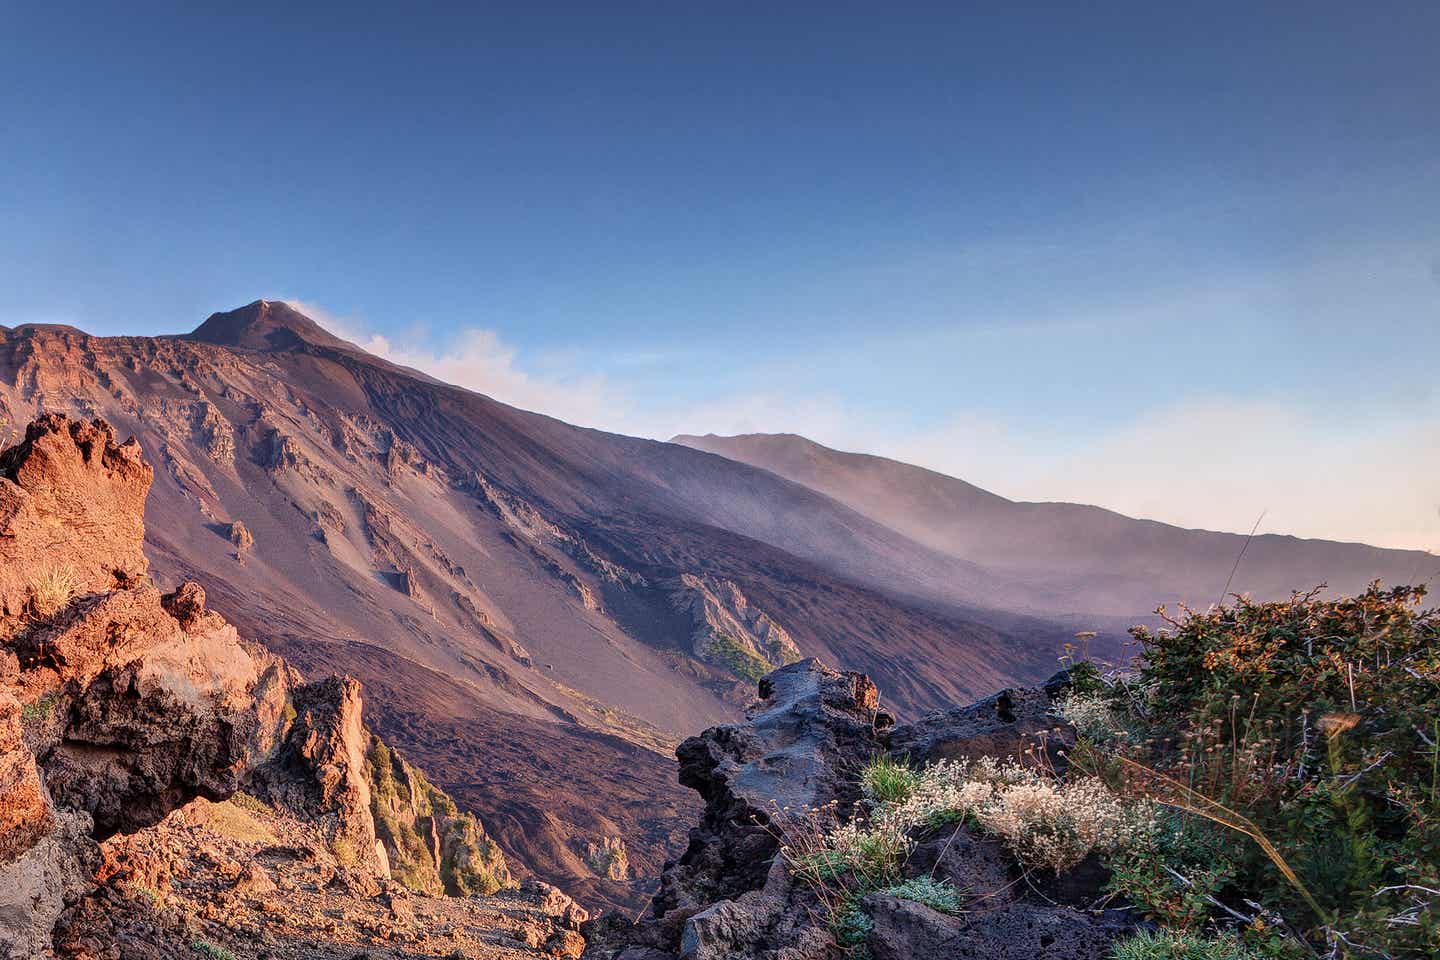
{"x":1180,"y":262}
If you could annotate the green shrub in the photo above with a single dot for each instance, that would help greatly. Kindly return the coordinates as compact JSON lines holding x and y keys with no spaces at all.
{"x":207,"y":949}
{"x":1178,"y":871}
{"x":935,"y":894}
{"x":1308,"y":729}
{"x":1172,"y":945}
{"x":851,"y":925}
{"x":725,"y":650}
{"x":40,"y":708}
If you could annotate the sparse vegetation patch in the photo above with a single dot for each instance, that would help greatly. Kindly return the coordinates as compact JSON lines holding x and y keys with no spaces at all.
{"x":51,"y":591}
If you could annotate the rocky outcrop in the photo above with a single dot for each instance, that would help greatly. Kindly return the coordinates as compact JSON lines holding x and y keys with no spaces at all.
{"x":798,"y":758}
{"x":168,"y":713}
{"x":120,"y":704}
{"x":727,"y":630}
{"x":431,"y":845}
{"x":240,"y":535}
{"x":72,"y":506}
{"x":117,"y":704}
{"x":380,"y":817}
{"x":1005,"y":724}
{"x":608,"y":858}
{"x":802,"y":746}
{"x":318,"y":773}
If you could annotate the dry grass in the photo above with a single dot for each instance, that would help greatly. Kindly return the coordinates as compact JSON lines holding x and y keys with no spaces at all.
{"x":230,"y":820}
{"x":52,"y":590}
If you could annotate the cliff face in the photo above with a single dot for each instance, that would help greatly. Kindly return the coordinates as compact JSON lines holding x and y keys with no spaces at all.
{"x":120,"y":704}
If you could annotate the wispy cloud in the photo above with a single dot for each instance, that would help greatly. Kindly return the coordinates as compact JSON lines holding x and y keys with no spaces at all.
{"x":479,"y":359}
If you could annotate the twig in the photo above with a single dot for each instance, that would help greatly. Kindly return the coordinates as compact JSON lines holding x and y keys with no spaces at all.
{"x":1231,"y":579}
{"x":1356,"y":776}
{"x":1405,"y":886}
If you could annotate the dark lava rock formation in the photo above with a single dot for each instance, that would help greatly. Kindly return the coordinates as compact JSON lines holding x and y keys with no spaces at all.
{"x":802,"y":748}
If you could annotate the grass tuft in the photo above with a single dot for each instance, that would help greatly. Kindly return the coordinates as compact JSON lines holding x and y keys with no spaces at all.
{"x":888,"y":781}
{"x":1181,"y":945}
{"x":52,"y":590}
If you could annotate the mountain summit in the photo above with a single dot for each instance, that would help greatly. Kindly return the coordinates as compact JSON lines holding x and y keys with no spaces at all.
{"x":265,"y":325}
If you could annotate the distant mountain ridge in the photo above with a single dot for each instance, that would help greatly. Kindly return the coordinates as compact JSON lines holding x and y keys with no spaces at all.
{"x":1089,"y":559}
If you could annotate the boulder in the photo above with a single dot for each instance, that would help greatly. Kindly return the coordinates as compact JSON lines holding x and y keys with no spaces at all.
{"x":1022,"y":930}
{"x":975,"y":864}
{"x":1006,"y":724}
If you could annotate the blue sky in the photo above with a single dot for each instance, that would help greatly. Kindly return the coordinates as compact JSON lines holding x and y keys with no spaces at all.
{"x":1184,"y":263}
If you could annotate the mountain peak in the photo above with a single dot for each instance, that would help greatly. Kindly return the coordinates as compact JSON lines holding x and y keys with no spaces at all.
{"x":264,"y":325}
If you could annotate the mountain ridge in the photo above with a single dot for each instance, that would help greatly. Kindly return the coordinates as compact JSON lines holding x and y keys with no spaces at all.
{"x":1141,"y":561}
{"x":537,"y":581}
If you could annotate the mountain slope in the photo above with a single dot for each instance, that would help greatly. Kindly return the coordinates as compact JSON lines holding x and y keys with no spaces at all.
{"x":1088,"y":558}
{"x":537,"y":609}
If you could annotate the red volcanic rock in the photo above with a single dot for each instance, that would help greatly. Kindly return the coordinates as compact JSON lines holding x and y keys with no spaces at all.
{"x":25,"y":814}
{"x":72,"y":507}
{"x":119,"y":705}
{"x":116,"y":705}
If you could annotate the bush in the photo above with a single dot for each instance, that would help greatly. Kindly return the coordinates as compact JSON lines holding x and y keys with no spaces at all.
{"x":1309,"y":726}
{"x":1176,"y":872}
{"x":1044,"y":820}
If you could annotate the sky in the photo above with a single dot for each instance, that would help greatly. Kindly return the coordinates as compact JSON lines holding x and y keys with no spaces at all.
{"x":1183,"y":263}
